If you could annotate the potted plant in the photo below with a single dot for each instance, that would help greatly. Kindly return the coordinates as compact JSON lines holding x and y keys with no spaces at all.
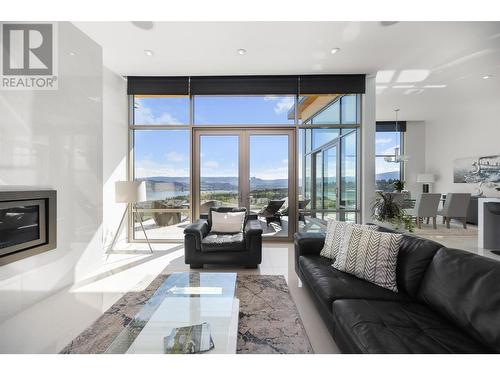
{"x":385,"y":209}
{"x":399,"y":185}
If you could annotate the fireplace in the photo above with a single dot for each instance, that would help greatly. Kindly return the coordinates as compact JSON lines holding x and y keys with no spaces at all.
{"x":27,"y":223}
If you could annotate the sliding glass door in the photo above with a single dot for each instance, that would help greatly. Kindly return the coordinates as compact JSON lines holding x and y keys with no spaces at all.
{"x":219,"y":171}
{"x":249,"y":168}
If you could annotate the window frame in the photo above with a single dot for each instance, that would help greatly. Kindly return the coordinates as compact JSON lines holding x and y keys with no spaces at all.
{"x":300,"y":166}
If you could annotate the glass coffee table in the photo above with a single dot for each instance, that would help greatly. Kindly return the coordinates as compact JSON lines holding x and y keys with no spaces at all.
{"x":184,"y":299}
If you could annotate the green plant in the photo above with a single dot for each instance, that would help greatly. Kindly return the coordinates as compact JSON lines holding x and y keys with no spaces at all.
{"x":399,"y":185}
{"x":404,"y":220}
{"x":385,"y":209}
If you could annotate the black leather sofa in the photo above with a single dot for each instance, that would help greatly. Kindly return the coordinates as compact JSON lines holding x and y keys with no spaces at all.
{"x":448,"y":300}
{"x":202,"y":246}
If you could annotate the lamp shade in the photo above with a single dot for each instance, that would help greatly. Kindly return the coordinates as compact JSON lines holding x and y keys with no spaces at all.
{"x":130,"y":191}
{"x":425,"y":178}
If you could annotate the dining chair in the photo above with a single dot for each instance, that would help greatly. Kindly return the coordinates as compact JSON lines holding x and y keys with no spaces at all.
{"x":455,"y":207}
{"x":426,"y":206}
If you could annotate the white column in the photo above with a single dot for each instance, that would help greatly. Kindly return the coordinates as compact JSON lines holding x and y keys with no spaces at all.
{"x":368,"y":149}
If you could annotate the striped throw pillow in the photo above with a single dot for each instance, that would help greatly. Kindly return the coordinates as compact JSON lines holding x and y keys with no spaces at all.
{"x":334,"y":235}
{"x":370,"y":255}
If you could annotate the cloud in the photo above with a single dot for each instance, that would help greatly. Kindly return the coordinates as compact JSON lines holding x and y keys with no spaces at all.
{"x":145,"y":116}
{"x":272,"y":173}
{"x":381,"y":141}
{"x":149,"y":168}
{"x":211,"y":164}
{"x":175,"y":157}
{"x":383,"y":167}
{"x":283,"y":103}
{"x":390,"y":151}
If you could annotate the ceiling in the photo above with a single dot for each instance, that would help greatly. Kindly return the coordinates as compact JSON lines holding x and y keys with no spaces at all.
{"x":417,"y":62}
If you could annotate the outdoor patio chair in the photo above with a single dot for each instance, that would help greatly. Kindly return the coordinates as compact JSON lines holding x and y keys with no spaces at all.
{"x":270,"y":212}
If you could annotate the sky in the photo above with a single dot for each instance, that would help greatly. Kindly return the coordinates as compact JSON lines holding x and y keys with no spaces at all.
{"x":166,"y":152}
{"x":385,"y":142}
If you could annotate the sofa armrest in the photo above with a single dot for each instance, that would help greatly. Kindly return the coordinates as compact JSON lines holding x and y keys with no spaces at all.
{"x":307,"y":244}
{"x":253,"y":234}
{"x":252,"y":228}
{"x":198,"y":229}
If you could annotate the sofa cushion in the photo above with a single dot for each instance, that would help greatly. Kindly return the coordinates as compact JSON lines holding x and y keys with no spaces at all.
{"x":415,"y":255}
{"x":215,"y":241}
{"x":329,"y":284}
{"x":335,"y":232}
{"x":465,"y":288}
{"x":370,"y":255}
{"x":367,"y":326}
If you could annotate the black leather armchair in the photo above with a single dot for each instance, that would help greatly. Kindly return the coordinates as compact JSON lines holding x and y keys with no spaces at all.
{"x":202,"y":246}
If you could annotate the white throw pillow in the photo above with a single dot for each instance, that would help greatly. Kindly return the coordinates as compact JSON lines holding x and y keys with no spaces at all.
{"x":370,"y":255}
{"x":335,"y":231}
{"x":227,"y":222}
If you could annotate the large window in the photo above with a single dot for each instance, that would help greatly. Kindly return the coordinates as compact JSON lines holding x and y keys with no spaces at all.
{"x":168,"y":155}
{"x":161,"y":159}
{"x":244,"y":110}
{"x":329,"y":109}
{"x":388,"y":147}
{"x":329,"y":157}
{"x":348,"y":180}
{"x":161,"y":110}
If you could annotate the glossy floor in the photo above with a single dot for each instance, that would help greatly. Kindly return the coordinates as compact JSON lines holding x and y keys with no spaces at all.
{"x":50,"y":324}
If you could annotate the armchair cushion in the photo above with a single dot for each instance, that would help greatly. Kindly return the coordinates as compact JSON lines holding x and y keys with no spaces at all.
{"x":216,"y":241}
{"x":227,"y":222}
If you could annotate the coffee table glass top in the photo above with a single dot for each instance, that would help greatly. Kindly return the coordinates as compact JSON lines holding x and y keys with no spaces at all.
{"x":184,"y":299}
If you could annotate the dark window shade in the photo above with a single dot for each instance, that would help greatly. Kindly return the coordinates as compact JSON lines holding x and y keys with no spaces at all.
{"x":391,"y":126}
{"x":248,"y":85}
{"x":332,"y":84}
{"x":158,"y":85}
{"x":244,"y":85}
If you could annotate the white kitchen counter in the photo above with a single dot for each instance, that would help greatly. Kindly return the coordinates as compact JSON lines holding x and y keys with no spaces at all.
{"x":480,"y":218}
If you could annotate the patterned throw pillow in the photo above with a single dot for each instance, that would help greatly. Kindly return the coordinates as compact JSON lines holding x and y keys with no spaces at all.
{"x":334,"y":235}
{"x":370,"y":255}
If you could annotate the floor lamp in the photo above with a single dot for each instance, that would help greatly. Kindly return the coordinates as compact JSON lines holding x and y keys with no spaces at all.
{"x":130,"y":192}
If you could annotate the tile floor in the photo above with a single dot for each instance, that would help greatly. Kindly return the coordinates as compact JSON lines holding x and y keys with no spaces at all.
{"x":49,"y":325}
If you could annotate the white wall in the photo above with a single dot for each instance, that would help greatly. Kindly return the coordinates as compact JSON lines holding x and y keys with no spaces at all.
{"x":414,"y":148}
{"x":54,"y":139}
{"x":466,"y":124}
{"x":115,"y":135}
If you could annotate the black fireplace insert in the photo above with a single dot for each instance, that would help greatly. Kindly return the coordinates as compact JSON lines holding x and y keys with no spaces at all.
{"x":27,"y":223}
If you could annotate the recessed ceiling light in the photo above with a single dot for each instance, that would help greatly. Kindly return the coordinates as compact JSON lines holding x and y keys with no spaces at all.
{"x":241,"y":51}
{"x":148,"y":52}
{"x":333,"y":51}
{"x":487,"y":76}
{"x":72,"y":53}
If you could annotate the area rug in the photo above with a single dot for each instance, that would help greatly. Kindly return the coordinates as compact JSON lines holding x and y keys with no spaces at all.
{"x":268,"y":320}
{"x":456,"y":229}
